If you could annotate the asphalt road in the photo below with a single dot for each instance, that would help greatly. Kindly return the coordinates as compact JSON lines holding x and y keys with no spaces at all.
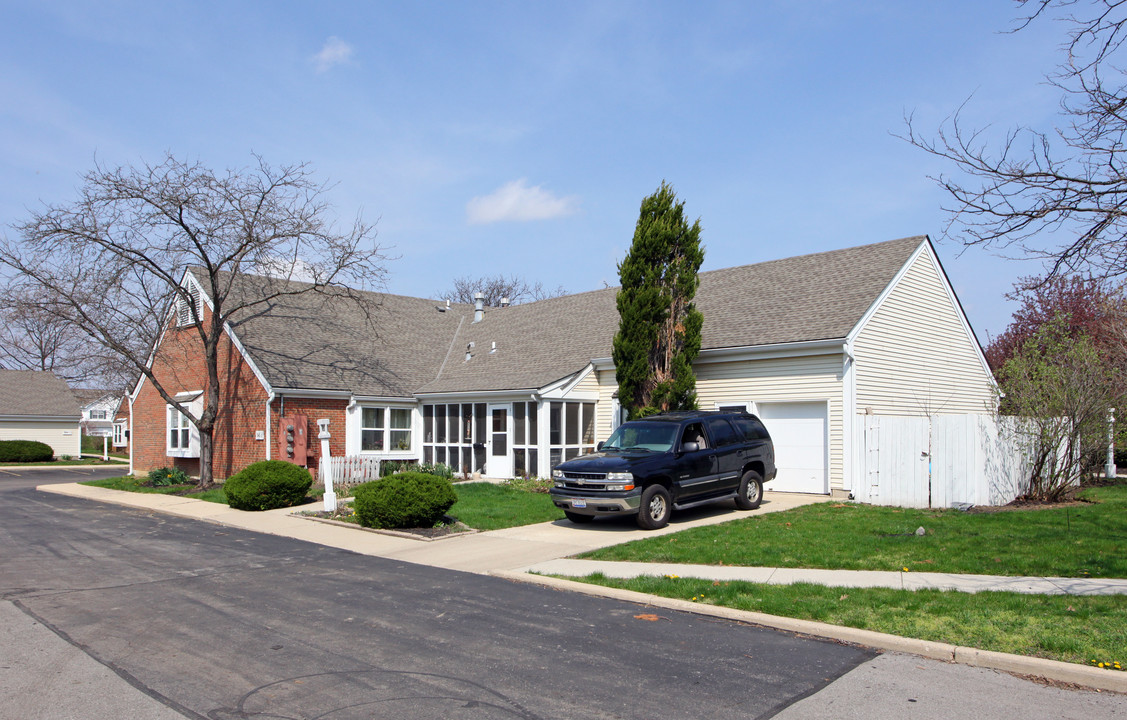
{"x":212,"y":622}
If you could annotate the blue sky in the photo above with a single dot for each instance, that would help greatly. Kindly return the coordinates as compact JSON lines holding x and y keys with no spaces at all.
{"x":521,"y":137}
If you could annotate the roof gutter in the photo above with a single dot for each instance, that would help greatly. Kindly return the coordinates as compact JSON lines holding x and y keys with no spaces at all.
{"x":311,"y":393}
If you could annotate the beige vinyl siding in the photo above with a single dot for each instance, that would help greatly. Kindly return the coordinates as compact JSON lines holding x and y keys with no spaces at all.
{"x":63,"y":436}
{"x":815,"y":378}
{"x":586,"y":387}
{"x":914,"y":355}
{"x":604,"y":411}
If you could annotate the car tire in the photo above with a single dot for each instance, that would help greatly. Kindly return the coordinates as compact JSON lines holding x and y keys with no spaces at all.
{"x":750,"y":494}
{"x":656,"y":506}
{"x":578,"y":518}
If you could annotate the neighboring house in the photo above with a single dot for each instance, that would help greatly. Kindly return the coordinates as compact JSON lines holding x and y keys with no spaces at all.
{"x":39,"y":406}
{"x":121,"y":425}
{"x":98,"y":407}
{"x":810,"y":343}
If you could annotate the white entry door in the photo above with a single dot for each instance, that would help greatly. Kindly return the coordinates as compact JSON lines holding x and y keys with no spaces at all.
{"x":799,"y":431}
{"x":499,"y":463}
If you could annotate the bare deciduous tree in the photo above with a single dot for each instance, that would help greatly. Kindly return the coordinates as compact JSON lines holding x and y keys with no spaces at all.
{"x":1059,"y":196}
{"x":498,"y":287}
{"x":112,"y":261}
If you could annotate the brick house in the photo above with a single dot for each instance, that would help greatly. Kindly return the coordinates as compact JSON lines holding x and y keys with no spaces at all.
{"x":810,"y":344}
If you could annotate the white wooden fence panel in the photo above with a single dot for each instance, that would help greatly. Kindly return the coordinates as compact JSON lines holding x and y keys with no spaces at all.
{"x":942,"y":461}
{"x":896,"y":460}
{"x":348,"y":471}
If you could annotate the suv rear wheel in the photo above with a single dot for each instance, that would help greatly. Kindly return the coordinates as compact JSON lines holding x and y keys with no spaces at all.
{"x":750,"y":494}
{"x":655,"y":508}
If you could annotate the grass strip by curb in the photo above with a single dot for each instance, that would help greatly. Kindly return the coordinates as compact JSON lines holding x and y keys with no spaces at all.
{"x":1086,"y":630}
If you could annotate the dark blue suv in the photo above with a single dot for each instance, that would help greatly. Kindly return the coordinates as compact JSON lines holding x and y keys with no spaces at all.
{"x":652,"y":466}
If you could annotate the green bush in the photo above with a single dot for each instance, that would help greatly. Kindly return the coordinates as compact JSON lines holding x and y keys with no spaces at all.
{"x":531,"y":484}
{"x":405,"y":500}
{"x":267,"y":485}
{"x":25,"y":451}
{"x":392,"y":467}
{"x":166,"y":476}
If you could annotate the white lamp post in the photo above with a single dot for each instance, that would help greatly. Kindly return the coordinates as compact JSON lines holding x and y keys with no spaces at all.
{"x":1109,"y":470}
{"x":326,"y":471}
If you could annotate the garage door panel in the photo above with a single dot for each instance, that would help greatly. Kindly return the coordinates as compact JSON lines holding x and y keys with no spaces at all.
{"x":799,"y":434}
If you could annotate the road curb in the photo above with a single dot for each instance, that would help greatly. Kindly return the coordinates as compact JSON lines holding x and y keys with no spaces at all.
{"x":1055,"y":670}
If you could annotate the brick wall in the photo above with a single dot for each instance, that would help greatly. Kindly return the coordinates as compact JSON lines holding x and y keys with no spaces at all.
{"x":179,"y":366}
{"x":314,"y":409}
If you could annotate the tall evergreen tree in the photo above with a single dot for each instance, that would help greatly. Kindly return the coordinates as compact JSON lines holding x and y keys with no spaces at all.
{"x":659,"y":327}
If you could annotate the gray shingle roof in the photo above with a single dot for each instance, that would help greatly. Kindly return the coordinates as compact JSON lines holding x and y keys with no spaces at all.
{"x":313,"y":342}
{"x":31,"y":392}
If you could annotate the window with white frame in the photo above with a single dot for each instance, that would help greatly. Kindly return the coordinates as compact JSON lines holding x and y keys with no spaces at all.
{"x":454,"y":434}
{"x":385,"y":429}
{"x":571,"y":430}
{"x":98,"y":414}
{"x":525,"y":455}
{"x":180,"y":435}
{"x":119,"y":434}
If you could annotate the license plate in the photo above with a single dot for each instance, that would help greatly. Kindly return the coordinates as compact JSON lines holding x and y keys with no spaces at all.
{"x":579,"y":503}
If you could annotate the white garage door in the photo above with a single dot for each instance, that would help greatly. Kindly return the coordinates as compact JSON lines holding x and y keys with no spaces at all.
{"x":798,"y":430}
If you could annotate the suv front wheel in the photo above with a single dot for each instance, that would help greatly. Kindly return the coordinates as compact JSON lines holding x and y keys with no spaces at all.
{"x":655,"y":508}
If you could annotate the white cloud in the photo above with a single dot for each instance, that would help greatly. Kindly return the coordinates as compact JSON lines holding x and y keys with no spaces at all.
{"x":335,"y":52}
{"x":517,"y":202}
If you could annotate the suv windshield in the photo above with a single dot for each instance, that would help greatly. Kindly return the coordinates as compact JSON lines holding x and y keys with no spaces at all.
{"x":650,"y":436}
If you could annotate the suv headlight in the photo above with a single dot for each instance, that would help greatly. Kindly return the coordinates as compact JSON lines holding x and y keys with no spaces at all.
{"x":558,"y":476}
{"x":620,"y":481}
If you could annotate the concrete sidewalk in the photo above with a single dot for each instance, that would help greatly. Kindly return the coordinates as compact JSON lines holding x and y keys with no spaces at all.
{"x":838,"y":578}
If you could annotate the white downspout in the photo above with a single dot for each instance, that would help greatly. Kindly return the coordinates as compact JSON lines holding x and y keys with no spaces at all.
{"x":849,"y":467}
{"x":269,"y":443}
{"x":132,"y":441}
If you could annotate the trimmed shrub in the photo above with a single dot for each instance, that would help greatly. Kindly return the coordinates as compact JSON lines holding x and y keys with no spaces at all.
{"x":166,"y":476}
{"x":25,"y":451}
{"x":267,"y":485}
{"x":405,"y":500}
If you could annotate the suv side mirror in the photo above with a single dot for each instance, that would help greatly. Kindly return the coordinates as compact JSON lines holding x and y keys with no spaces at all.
{"x":689,"y":447}
{"x":599,"y":446}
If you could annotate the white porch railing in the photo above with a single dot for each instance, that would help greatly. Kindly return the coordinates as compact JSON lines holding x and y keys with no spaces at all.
{"x":348,"y":471}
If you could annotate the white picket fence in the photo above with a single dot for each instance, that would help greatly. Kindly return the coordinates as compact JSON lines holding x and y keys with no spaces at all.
{"x":941,"y":461}
{"x":348,"y":471}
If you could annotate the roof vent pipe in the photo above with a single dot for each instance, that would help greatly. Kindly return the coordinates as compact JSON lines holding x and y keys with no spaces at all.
{"x":504,"y":302}
{"x":478,"y":307}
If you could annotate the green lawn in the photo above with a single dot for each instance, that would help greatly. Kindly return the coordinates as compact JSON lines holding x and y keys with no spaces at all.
{"x":134,"y":484}
{"x":1086,"y":630}
{"x":1087,"y":540}
{"x":491,"y":507}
